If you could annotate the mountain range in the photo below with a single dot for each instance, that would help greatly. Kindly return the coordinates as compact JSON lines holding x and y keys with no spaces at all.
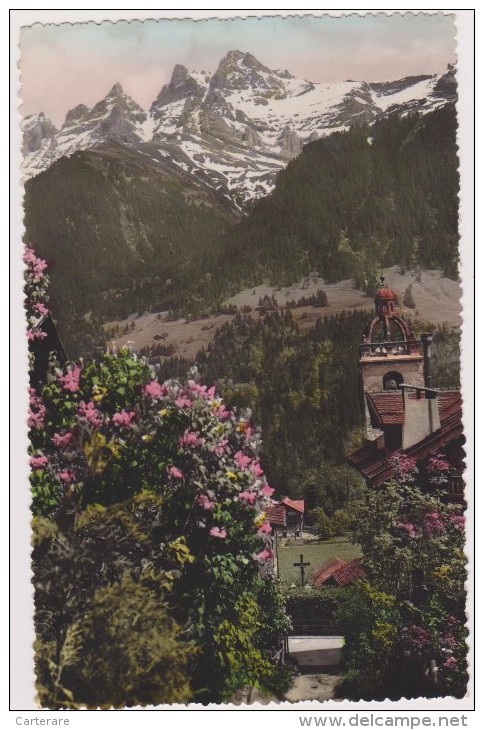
{"x":232,"y":131}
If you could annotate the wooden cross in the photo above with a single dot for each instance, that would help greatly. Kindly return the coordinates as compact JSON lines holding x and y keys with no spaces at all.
{"x":302,"y":567}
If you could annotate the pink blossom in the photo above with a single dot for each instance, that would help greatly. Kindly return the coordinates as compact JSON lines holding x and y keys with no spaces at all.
{"x":458,"y":521}
{"x":29,"y":255}
{"x":451,"y":642}
{"x":433,"y":523}
{"x":242,"y":460}
{"x":197,"y":388}
{"x":175,"y":472}
{"x":183,"y":402}
{"x":211,"y":392}
{"x":41,"y":308}
{"x":407,"y":527}
{"x":265,"y":554}
{"x":35,"y":420}
{"x":418,"y":637}
{"x":450,"y":663}
{"x":265,"y":528}
{"x":223,"y":413}
{"x":124,"y":419}
{"x":35,"y":335}
{"x":205,"y":502}
{"x":190,"y":439}
{"x":248,"y":432}
{"x":36,"y":264}
{"x":62,"y":439}
{"x":221,"y":447}
{"x":155,"y":390}
{"x":38,"y":462}
{"x":90,"y":413}
{"x":248,"y":497}
{"x":267,"y":491}
{"x":405,"y":467}
{"x":70,"y":381}
{"x":67,"y":476}
{"x":218,"y":532}
{"x":256,"y":469}
{"x":37,"y":410}
{"x":438,"y":464}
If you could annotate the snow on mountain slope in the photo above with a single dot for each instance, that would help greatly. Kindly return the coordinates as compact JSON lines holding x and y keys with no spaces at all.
{"x":234,"y":129}
{"x":115,"y":118}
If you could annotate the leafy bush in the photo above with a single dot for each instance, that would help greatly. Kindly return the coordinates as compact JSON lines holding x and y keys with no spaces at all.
{"x":412,"y":612}
{"x":124,"y":649}
{"x":148,"y":493}
{"x":341,"y":521}
{"x":370,"y":623}
{"x":310,"y":604}
{"x":323,"y":523}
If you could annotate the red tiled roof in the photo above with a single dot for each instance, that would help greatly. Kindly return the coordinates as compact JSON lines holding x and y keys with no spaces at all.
{"x":326,"y":570}
{"x":349,"y":572}
{"x":448,"y":398}
{"x":375,"y":465}
{"x":387,"y":407}
{"x":297,"y":504}
{"x":277,"y":515}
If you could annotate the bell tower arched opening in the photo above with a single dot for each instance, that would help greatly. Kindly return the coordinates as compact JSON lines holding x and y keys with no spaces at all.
{"x":392,"y":380}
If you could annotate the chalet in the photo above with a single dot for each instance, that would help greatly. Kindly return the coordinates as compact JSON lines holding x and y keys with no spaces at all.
{"x":404,"y":413}
{"x":287,"y":516}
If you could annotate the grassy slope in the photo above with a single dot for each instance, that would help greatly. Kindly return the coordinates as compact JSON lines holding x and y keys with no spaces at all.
{"x":337,"y":547}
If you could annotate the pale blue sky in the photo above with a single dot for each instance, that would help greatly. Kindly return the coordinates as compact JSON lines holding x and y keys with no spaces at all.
{"x":65,"y":65}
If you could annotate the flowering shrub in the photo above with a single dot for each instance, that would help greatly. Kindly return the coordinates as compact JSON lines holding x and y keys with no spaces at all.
{"x":438,"y":470}
{"x":36,"y":286}
{"x":402,"y":530}
{"x":413,"y":552}
{"x":370,"y":621}
{"x":405,"y":468}
{"x":146,"y":491}
{"x":103,"y":433}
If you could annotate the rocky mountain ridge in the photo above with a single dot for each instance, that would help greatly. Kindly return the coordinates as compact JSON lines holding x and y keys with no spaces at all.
{"x":233,"y":129}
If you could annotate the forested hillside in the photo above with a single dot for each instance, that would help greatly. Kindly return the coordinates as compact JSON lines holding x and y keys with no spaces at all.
{"x":119,"y":236}
{"x":358,"y":201}
{"x":302,"y":387}
{"x":123,"y":238}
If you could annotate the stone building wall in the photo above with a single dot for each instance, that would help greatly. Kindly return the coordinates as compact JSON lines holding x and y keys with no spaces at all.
{"x":374,"y":369}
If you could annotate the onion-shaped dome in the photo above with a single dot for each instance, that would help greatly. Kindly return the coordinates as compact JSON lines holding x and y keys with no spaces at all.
{"x":387,"y":326}
{"x":385,"y":299}
{"x":385,"y":295}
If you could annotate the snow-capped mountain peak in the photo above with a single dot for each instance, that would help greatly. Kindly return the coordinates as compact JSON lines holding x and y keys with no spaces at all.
{"x":234,"y":129}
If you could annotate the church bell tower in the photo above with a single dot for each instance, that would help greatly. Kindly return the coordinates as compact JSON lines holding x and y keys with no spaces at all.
{"x":389,"y":353}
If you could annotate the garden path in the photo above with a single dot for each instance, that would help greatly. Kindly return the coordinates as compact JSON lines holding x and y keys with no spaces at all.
{"x":318,"y":659}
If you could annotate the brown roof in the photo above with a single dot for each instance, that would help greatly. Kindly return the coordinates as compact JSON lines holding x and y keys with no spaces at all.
{"x":386,"y":408}
{"x":277,"y":515}
{"x":375,"y":465}
{"x":349,"y":572}
{"x":297,"y":504}
{"x":326,"y":570}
